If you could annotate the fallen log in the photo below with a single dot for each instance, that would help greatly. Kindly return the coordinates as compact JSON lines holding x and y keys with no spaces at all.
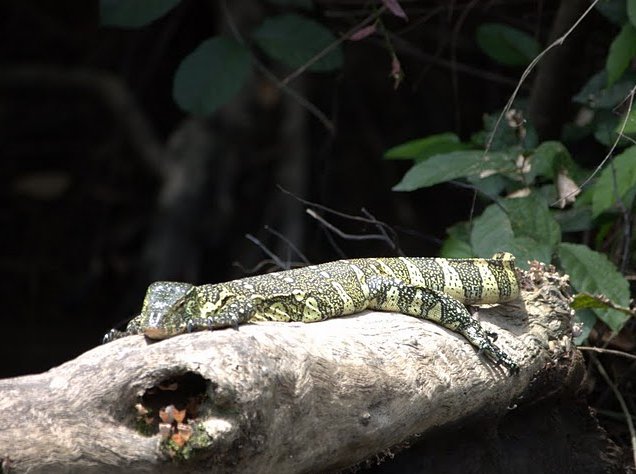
{"x":284,"y":397}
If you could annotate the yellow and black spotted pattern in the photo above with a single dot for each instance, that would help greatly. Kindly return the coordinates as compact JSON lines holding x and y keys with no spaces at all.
{"x":432,"y":288}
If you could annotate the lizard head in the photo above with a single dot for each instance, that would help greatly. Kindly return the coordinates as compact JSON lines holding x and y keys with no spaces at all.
{"x":164,"y":312}
{"x":172,"y":308}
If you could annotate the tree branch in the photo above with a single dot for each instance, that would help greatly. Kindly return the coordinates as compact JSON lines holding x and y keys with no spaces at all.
{"x":280,"y":397}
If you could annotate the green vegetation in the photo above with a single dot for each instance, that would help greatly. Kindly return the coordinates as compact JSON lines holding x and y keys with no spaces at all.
{"x":534,"y":207}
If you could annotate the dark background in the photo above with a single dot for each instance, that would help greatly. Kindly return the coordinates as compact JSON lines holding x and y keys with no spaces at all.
{"x":90,"y":213}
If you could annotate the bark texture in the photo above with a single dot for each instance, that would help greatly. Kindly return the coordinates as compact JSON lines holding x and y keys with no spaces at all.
{"x":283,"y":397}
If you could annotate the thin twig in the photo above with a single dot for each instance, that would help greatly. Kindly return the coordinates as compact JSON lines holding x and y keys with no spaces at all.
{"x":621,"y":401}
{"x":420,"y":20}
{"x":311,"y":108}
{"x":558,"y":42}
{"x":626,"y":220}
{"x":616,"y":416}
{"x":257,"y":268}
{"x":602,"y":350}
{"x":381,"y":229}
{"x":340,"y":214}
{"x":407,"y":48}
{"x":372,"y":17}
{"x":630,"y":99}
{"x":289,"y":243}
{"x":334,"y":245}
{"x":476,"y":190}
{"x":271,"y":254}
{"x":343,"y":234}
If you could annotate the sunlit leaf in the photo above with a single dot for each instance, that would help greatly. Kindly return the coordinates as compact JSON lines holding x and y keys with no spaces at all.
{"x":631,"y":11}
{"x":422,"y":148}
{"x":457,"y":244}
{"x":593,"y":273}
{"x":587,"y":301}
{"x":530,"y":217}
{"x":448,"y":166}
{"x":617,"y":180}
{"x":492,"y":232}
{"x":598,"y":95}
{"x":621,"y":52}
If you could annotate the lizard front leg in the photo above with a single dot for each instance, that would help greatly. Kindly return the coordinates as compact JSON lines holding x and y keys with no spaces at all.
{"x":233,"y":313}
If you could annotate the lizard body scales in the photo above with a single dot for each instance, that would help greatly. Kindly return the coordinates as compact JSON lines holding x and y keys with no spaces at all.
{"x":430,"y":288}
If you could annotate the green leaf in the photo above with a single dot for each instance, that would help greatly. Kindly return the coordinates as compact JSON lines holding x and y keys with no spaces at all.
{"x":551,"y":157}
{"x":490,"y":186}
{"x":457,"y":164}
{"x":613,"y":10}
{"x":630,"y":123}
{"x":621,"y":52}
{"x":507,"y":45}
{"x":597,"y":95}
{"x":587,"y":301}
{"x":542,"y":160}
{"x":575,"y":219}
{"x":211,"y":75}
{"x":457,"y":244}
{"x":548,"y":159}
{"x":454,"y":248}
{"x":631,"y":11}
{"x":616,"y":181}
{"x":527,"y":249}
{"x":492,"y":232}
{"x":530,"y":217}
{"x":505,"y":135}
{"x":605,"y":127}
{"x":133,"y":13}
{"x":295,"y":41}
{"x":423,"y":148}
{"x":593,"y":273}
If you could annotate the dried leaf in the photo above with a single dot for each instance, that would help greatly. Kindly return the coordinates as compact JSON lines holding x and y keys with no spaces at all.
{"x":567,"y":189}
{"x":179,"y":415}
{"x":185,"y":431}
{"x":523,"y":164}
{"x":519,"y":193}
{"x":396,"y":72}
{"x":178,"y":440}
{"x":167,"y":414}
{"x":395,"y":8}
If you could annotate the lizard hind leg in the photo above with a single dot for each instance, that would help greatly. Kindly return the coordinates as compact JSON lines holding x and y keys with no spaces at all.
{"x":453,"y":315}
{"x":390,"y":294}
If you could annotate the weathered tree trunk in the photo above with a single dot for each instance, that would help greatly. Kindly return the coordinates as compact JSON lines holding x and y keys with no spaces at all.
{"x":282,"y":397}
